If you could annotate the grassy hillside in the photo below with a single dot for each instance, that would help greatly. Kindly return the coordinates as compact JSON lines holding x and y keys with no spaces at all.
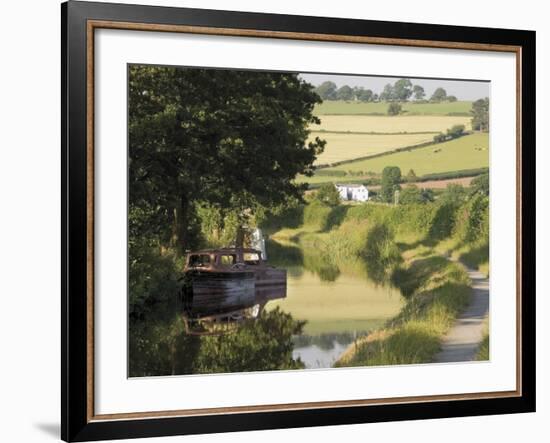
{"x":390,"y":125}
{"x":407,"y":244}
{"x":349,"y":108}
{"x":468,"y":152}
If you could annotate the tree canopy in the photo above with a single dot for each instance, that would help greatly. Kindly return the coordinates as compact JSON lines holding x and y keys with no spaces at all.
{"x":418,"y":92}
{"x":480,"y":114}
{"x":328,"y":194}
{"x":402,"y":89}
{"x":391,"y":177}
{"x":439,"y":95}
{"x":235,"y":139}
{"x":345,"y":93}
{"x":327,"y":90}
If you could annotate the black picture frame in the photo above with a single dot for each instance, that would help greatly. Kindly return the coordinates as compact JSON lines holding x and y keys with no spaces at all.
{"x":76,"y":423}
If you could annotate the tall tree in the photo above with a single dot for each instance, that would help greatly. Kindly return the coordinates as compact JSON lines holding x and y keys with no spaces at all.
{"x":439,"y":95}
{"x":418,"y":92}
{"x":480,"y":114}
{"x":391,"y":177}
{"x":234,"y":139}
{"x":362,"y":94}
{"x":327,"y":90}
{"x":402,"y":89}
{"x":344,"y":93}
{"x":387,"y":95}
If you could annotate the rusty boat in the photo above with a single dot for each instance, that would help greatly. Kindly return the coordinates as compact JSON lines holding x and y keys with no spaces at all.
{"x":223,"y":287}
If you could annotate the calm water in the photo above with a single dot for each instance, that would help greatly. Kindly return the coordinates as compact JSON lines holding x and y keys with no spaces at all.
{"x":338,"y":301}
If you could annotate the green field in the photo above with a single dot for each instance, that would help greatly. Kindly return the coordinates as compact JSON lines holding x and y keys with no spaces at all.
{"x":389,"y":125}
{"x":349,"y":146}
{"x":353,"y":108}
{"x":468,"y":152}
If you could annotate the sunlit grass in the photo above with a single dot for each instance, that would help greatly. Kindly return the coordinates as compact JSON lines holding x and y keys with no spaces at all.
{"x":414,"y":335}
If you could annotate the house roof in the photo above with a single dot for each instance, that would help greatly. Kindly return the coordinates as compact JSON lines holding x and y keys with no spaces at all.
{"x":350,"y":186}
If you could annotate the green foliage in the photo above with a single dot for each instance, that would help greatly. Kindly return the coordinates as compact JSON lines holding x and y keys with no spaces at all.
{"x":161,"y":347}
{"x":330,"y":173}
{"x":259,"y":345}
{"x":194,"y":136}
{"x":402,"y":89}
{"x":387,"y":95}
{"x":419,"y":93}
{"x":483,"y":351}
{"x":451,"y":98}
{"x":411,"y":176}
{"x":439,"y":290}
{"x":391,"y":177}
{"x":455,"y":131}
{"x":412,"y":194}
{"x":344,"y":93}
{"x":473,"y":221}
{"x":454,"y":194}
{"x":153,"y":277}
{"x":316,"y":215}
{"x":443,"y":221}
{"x":377,"y":107}
{"x":452,"y":133}
{"x":328,"y":195}
{"x":363,"y":95}
{"x":394,"y":108}
{"x":453,"y":174}
{"x":439,"y":95}
{"x":480,"y":185}
{"x":480,"y":115}
{"x":380,"y":253}
{"x":283,"y":216}
{"x":327,"y":90}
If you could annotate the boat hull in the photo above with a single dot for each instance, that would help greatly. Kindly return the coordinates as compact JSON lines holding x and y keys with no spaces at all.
{"x":209,"y":293}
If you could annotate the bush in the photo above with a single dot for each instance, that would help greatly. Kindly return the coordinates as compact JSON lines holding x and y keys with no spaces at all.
{"x":394,"y":109}
{"x":455,"y":131}
{"x":453,"y":174}
{"x":480,"y":185}
{"x":328,"y":195}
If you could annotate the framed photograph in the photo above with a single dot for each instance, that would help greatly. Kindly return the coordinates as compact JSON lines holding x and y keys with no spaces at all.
{"x":277,"y":221}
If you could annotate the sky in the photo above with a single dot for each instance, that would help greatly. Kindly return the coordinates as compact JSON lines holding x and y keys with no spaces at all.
{"x":463,"y":90}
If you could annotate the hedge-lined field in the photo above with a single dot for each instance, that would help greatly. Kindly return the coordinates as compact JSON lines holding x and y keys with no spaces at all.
{"x":411,"y":108}
{"x":470,"y":152}
{"x":390,"y":125}
{"x":349,"y":146}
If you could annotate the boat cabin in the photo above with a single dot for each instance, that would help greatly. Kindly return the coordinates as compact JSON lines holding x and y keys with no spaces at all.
{"x":223,"y":258}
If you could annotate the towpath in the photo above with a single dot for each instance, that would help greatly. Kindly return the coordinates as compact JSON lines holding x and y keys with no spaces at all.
{"x":462,"y":341}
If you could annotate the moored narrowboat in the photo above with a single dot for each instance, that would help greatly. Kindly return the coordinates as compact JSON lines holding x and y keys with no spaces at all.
{"x":221,"y":281}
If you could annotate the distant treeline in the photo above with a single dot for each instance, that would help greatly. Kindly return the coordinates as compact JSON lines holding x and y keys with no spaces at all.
{"x":401,"y":91}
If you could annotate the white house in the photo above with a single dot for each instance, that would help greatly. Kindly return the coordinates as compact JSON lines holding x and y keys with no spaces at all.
{"x":350,"y":192}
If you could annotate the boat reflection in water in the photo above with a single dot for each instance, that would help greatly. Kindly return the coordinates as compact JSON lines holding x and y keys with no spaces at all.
{"x":224,"y":287}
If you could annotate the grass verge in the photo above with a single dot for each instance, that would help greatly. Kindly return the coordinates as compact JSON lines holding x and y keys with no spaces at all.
{"x":437,"y":291}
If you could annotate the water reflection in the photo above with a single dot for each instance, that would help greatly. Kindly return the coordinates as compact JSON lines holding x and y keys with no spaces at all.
{"x":339,"y":300}
{"x":306,"y":320}
{"x":226,"y":314}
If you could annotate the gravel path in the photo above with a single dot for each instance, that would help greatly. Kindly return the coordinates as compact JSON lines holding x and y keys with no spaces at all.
{"x":462,"y":341}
